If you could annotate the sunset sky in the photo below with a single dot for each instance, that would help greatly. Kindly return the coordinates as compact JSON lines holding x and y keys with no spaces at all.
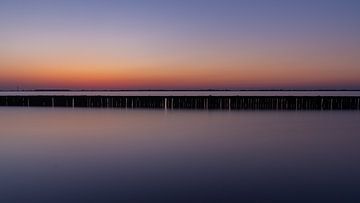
{"x":180,"y":44}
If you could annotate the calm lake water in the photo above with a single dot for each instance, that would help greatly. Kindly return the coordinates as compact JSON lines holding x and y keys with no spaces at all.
{"x":114,"y":155}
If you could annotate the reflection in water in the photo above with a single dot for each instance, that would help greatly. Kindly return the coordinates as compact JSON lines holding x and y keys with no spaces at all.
{"x":99,"y":155}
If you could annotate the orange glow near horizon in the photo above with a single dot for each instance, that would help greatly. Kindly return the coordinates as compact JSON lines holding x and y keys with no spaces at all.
{"x":72,"y":64}
{"x":215,"y":73}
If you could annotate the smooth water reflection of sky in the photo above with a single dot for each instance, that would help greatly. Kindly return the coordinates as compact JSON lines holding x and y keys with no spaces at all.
{"x":92,"y":155}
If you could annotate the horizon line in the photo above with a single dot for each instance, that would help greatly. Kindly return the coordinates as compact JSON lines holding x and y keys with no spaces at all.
{"x":168,"y":90}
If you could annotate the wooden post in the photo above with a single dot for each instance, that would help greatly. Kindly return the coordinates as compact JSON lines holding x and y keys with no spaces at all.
{"x":229,"y":104}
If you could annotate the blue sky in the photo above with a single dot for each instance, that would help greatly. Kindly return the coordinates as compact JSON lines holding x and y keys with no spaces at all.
{"x":238,"y":36}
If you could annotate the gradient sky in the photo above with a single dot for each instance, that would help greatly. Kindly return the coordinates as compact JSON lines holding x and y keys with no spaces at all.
{"x":180,"y":44}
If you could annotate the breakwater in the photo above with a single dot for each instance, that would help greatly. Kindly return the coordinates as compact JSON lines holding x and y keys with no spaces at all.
{"x":190,"y":102}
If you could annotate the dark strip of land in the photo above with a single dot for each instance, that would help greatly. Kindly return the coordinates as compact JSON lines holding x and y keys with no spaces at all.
{"x":190,"y":102}
{"x":180,"y":90}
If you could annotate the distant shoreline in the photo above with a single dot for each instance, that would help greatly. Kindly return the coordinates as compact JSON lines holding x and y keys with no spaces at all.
{"x":184,"y":90}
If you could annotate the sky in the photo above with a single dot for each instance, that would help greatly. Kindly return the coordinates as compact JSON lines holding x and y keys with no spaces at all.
{"x":179,"y":44}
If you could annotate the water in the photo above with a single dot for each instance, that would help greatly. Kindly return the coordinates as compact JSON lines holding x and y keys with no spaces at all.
{"x":100,"y":155}
{"x":183,"y":93}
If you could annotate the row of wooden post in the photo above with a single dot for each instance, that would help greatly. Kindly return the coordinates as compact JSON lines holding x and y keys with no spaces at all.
{"x":189,"y":102}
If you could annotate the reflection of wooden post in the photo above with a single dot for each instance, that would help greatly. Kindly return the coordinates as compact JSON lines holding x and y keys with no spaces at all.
{"x":165,"y":103}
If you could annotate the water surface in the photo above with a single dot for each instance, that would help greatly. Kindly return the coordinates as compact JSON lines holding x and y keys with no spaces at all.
{"x":107,"y":155}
